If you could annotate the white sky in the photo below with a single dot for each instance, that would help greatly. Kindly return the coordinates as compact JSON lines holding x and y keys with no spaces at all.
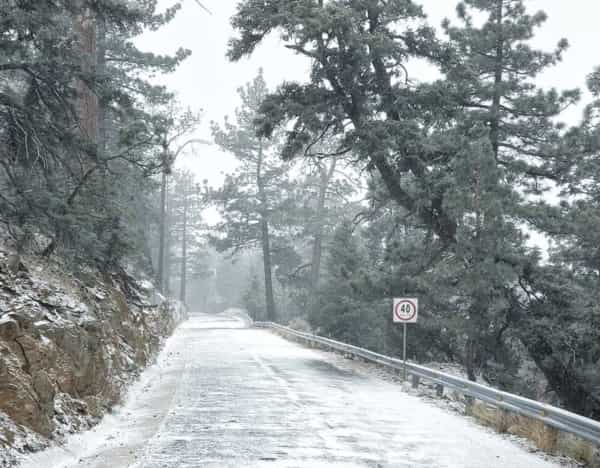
{"x":208,"y":81}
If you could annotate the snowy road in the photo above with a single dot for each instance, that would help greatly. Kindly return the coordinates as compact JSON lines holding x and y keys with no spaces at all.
{"x":228,"y":396}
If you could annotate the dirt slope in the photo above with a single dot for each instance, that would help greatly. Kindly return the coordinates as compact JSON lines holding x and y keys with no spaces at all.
{"x":69,"y":346}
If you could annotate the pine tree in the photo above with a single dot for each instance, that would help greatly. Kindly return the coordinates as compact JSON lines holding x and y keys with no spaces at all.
{"x":174,"y":125}
{"x":492,"y":73}
{"x":187,"y":200}
{"x":340,"y":302}
{"x":359,"y":90}
{"x":73,"y":122}
{"x":256,"y":198}
{"x":564,"y":311}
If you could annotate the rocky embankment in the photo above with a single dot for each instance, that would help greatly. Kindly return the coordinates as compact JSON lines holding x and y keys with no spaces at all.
{"x":69,"y":346}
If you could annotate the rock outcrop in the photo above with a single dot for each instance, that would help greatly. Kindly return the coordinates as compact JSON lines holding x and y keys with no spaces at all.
{"x":69,"y":346}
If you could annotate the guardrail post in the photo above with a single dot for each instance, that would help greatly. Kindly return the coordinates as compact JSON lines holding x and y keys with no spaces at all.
{"x":439,"y":390}
{"x":502,"y":420}
{"x":547,"y":437}
{"x":415,"y":381}
{"x":469,"y":402}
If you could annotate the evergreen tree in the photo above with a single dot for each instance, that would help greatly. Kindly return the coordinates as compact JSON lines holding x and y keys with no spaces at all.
{"x":325,"y":188}
{"x":359,"y":90}
{"x":174,"y":125}
{"x":493,"y":77}
{"x":564,"y":294}
{"x":73,"y":121}
{"x":187,"y":230}
{"x":256,"y":198}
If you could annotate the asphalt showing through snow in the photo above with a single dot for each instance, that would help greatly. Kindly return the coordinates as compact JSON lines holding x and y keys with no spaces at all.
{"x":245,"y":397}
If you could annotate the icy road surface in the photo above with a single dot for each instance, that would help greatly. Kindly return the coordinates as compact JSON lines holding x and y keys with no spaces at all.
{"x":223,"y":395}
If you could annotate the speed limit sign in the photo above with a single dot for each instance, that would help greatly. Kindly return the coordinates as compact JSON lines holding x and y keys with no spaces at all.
{"x":406,"y":310}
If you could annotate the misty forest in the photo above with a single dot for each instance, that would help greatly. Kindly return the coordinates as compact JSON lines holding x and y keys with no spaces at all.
{"x":469,"y":191}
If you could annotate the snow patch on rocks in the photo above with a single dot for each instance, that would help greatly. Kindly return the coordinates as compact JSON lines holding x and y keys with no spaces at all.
{"x":69,"y":347}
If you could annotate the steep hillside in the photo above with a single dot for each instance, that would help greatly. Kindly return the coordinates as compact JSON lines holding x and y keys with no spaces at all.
{"x":69,"y":345}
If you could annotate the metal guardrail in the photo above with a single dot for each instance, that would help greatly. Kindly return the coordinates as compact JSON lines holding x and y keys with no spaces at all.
{"x":560,"y":419}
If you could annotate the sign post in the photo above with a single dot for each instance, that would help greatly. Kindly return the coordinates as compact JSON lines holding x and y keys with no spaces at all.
{"x":406,"y":310}
{"x":404,"y":350}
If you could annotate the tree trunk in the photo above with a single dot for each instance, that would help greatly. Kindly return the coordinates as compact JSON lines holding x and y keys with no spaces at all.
{"x":182,"y":290}
{"x":88,"y":101}
{"x":266,"y":248}
{"x":315,"y":269}
{"x":147,"y":254}
{"x":265,"y":239}
{"x":161,"y":227}
{"x":499,"y":59}
{"x":102,"y":110}
{"x":168,"y":241}
{"x":574,"y":392}
{"x":471,"y":351}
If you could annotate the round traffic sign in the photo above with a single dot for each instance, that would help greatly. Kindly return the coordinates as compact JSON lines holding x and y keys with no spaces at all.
{"x":405,"y":310}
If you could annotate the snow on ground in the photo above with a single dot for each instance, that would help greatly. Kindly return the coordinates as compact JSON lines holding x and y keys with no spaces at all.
{"x":223,"y":395}
{"x":451,"y":401}
{"x":240,"y":314}
{"x":122,"y":433}
{"x":23,"y":440}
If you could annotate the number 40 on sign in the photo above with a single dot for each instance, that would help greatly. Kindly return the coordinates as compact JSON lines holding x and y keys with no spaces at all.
{"x":406,"y":310}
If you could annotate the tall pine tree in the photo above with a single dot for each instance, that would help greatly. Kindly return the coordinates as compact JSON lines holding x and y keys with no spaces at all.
{"x":255,"y":199}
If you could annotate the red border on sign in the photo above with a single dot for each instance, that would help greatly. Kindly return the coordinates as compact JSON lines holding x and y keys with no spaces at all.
{"x":403,"y":319}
